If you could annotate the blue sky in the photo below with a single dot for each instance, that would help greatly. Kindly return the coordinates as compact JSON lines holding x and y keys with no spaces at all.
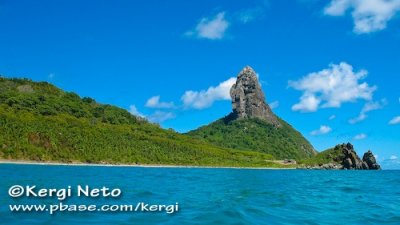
{"x":329,"y":68}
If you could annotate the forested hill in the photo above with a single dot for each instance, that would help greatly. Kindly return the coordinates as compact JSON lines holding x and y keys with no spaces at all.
{"x":253,"y":126}
{"x":254,"y":134}
{"x":39,"y":121}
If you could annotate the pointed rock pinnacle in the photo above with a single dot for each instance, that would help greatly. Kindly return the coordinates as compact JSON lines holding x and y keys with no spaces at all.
{"x":248,"y":99}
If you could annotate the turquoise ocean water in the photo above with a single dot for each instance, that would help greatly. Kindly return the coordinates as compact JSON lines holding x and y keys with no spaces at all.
{"x":211,"y":196}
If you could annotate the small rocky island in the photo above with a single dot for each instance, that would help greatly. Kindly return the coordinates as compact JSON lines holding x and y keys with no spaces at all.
{"x":342,"y":156}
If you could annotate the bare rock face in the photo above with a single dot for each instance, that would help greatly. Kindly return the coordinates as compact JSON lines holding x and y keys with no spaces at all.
{"x":370,"y":161}
{"x":345,"y":157}
{"x":248,"y":100}
{"x":352,"y":161}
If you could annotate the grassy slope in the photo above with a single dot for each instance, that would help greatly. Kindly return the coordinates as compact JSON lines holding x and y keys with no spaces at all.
{"x":256,"y":135}
{"x":332,"y":155}
{"x":41,"y":122}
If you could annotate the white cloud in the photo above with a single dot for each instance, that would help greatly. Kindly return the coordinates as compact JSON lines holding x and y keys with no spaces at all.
{"x":322,"y":130}
{"x":360,"y":136}
{"x":213,"y":29}
{"x":154,"y":102}
{"x":51,"y":76}
{"x":274,"y":104}
{"x":392,"y":163}
{"x":156,"y":117}
{"x":369,"y":106}
{"x":134,"y":111}
{"x":160,"y":116}
{"x":337,"y":7}
{"x":332,"y":117}
{"x":308,"y":103}
{"x":249,"y":15}
{"x":395,"y":120}
{"x":205,"y":98}
{"x":368,"y":15}
{"x":331,"y":87}
{"x":359,"y":118}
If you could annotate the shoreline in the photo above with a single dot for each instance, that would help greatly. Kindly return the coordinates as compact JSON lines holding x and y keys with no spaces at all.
{"x":49,"y":163}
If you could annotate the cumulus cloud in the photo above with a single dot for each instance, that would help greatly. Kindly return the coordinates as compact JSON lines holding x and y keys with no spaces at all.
{"x":360,"y":136}
{"x":210,"y":28}
{"x":359,"y":118}
{"x":322,"y":130}
{"x":368,"y":15}
{"x":308,"y":103}
{"x":154,"y":102}
{"x":274,"y":104}
{"x":205,"y":98}
{"x":331,"y":87}
{"x":156,"y":117}
{"x":134,"y":111}
{"x":395,"y":120}
{"x":160,"y":116}
{"x":332,"y":117}
{"x":369,"y":106}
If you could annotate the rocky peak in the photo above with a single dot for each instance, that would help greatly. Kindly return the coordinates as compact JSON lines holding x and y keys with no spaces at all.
{"x":352,"y":161}
{"x":248,"y":100}
{"x":370,"y":160}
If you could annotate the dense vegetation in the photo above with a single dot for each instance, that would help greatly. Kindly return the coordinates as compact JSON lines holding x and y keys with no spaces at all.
{"x":256,"y":135}
{"x":41,"y":122}
{"x":332,"y":155}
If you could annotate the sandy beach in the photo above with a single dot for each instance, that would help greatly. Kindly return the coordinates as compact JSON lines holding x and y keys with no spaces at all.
{"x":48,"y":163}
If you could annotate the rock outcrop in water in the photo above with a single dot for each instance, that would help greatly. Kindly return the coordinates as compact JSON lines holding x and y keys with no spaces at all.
{"x":351,"y":159}
{"x":370,"y":161}
{"x":345,"y":157}
{"x":248,"y":100}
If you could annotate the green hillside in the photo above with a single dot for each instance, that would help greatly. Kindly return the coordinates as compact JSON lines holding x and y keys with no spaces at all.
{"x":254,"y":134}
{"x":332,"y":155}
{"x":41,"y":122}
